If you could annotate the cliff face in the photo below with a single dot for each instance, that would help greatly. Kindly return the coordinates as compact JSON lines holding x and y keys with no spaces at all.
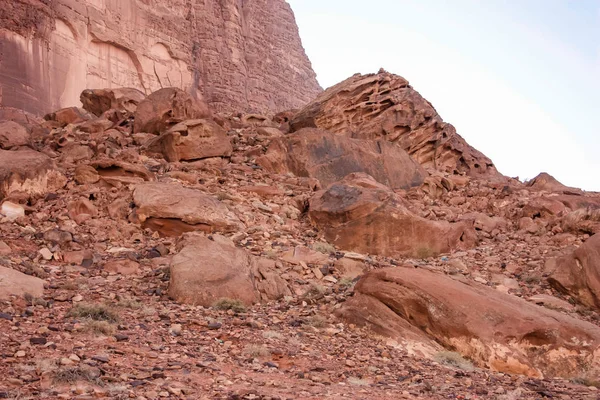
{"x":239,"y":55}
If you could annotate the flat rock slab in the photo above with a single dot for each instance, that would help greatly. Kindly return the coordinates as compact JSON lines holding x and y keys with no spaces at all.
{"x":15,"y":283}
{"x":493,"y":329}
{"x":173,"y":209}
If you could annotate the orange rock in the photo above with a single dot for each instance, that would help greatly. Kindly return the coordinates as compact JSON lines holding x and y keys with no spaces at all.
{"x":98,"y":101}
{"x":493,"y":329}
{"x":359,"y":214}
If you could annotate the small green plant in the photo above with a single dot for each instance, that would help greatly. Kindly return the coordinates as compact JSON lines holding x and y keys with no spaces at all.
{"x":77,"y":374}
{"x":96,"y":312}
{"x":453,"y":359}
{"x":323,"y":247}
{"x":256,"y":351}
{"x":225,"y":304}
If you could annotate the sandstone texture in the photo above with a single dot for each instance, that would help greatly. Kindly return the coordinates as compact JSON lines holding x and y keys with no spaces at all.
{"x":27,"y":173}
{"x":359,"y":214}
{"x":578,"y":273}
{"x":329,"y":158}
{"x":15,"y":283}
{"x":238,"y":56}
{"x":192,"y":140}
{"x":384,"y":105}
{"x":495,"y":330}
{"x":170,"y":208}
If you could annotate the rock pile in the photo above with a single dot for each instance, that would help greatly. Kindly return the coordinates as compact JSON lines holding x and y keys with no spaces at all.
{"x":153,"y":248}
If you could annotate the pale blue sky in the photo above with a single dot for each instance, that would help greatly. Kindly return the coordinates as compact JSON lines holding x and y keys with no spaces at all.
{"x":519,"y":79}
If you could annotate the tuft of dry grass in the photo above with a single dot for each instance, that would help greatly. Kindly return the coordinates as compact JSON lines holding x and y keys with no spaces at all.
{"x":454,"y":359}
{"x":256,"y":351}
{"x":77,"y":374}
{"x":318,"y":321}
{"x":96,"y":312}
{"x":425,"y":252}
{"x":225,"y":304}
{"x":314,"y":292}
{"x":323,"y":247}
{"x":99,"y":327}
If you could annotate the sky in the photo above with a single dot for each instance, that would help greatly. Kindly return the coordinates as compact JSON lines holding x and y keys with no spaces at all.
{"x":519,"y":79}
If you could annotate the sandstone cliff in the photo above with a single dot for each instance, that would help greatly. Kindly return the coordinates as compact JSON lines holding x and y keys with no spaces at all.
{"x":238,"y":55}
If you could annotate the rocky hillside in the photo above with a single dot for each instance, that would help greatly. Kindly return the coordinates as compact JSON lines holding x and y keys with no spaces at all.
{"x":153,"y":247}
{"x":239,"y":55}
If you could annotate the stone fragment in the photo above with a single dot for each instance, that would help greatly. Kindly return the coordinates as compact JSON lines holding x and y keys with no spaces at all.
{"x":123,"y":267}
{"x":192,"y":140}
{"x":12,"y":211}
{"x":167,"y":107}
{"x":98,"y":101}
{"x":206,"y":270}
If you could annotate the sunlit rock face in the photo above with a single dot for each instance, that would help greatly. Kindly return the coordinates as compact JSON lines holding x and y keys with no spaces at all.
{"x":243,"y":56}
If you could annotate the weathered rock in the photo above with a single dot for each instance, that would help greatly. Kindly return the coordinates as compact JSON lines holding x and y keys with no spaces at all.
{"x":98,"y":101}
{"x":110,"y":169}
{"x":28,"y":173}
{"x":547,"y":182}
{"x":495,"y":330}
{"x":359,"y":214}
{"x":13,"y":134}
{"x":11,"y":210}
{"x":123,"y":267}
{"x":578,"y":273}
{"x":269,"y":284}
{"x":192,"y":140}
{"x":206,"y":270}
{"x":82,"y":209}
{"x":165,"y":108}
{"x":384,"y":105}
{"x":172,"y":209}
{"x":68,"y":115}
{"x":15,"y":283}
{"x":350,"y":269}
{"x":240,"y":56}
{"x":329,"y":157}
{"x":86,"y":174}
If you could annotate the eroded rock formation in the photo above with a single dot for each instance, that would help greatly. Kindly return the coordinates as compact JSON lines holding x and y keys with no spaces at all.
{"x":385,"y":105}
{"x":238,"y":55}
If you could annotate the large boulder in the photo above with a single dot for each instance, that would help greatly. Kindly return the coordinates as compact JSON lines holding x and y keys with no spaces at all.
{"x":192,"y":140}
{"x":329,"y":157}
{"x":493,"y":329}
{"x":98,"y":101}
{"x":359,"y":214}
{"x":548,"y":183}
{"x":15,"y":283}
{"x":172,"y":209}
{"x":13,"y":134}
{"x":384,"y":105}
{"x":165,"y":108}
{"x":28,"y":173}
{"x":208,"y":269}
{"x":578,"y":274}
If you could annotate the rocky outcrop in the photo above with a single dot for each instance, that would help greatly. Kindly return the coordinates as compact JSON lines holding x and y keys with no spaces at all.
{"x":192,"y":140}
{"x":27,"y":173}
{"x":384,"y":105}
{"x":359,"y":214}
{"x":329,"y":158}
{"x":13,"y":134}
{"x":98,"y":101}
{"x":172,"y":209}
{"x":239,"y":56}
{"x":578,"y":274}
{"x":495,"y":330}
